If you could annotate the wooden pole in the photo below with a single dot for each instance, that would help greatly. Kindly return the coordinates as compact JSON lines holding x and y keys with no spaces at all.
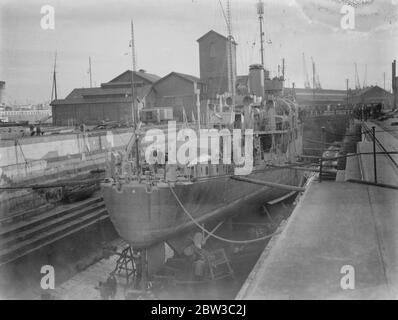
{"x":89,"y":70}
{"x":374,"y":154}
{"x":323,"y":148}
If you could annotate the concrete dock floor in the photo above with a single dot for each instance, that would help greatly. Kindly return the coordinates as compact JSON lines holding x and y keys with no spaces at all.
{"x":335,"y":225}
{"x":84,"y":285}
{"x":386,"y":172}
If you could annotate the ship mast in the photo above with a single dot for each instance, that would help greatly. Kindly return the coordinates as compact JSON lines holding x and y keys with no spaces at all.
{"x":133,"y":48}
{"x":134,"y":114}
{"x":134,"y":105}
{"x":357,"y":83}
{"x":89,"y":71}
{"x":54,"y":95}
{"x":260,"y":12}
{"x":230,"y":71}
{"x":365,"y":80}
{"x":307,"y":78}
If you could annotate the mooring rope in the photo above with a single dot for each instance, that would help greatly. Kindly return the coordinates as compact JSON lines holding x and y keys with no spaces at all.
{"x":212,"y":234}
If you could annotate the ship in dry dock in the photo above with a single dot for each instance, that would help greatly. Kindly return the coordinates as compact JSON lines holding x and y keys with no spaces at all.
{"x":150,"y":203}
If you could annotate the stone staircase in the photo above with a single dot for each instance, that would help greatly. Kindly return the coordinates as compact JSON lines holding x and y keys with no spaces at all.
{"x":30,"y":231}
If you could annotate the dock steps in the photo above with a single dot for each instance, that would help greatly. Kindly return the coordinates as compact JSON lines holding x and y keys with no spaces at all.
{"x":44,"y":217}
{"x":26,"y":214}
{"x":24,"y":237}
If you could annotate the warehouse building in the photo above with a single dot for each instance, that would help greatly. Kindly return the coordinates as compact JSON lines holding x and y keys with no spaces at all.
{"x":179,"y":94}
{"x":373,"y":95}
{"x":175,"y":96}
{"x":112,"y":101}
{"x":309,"y":98}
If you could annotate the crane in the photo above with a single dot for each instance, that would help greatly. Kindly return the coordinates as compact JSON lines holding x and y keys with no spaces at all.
{"x":306,"y":77}
{"x":54,"y":95}
{"x":316,"y":84}
{"x":260,"y":12}
{"x":132,"y":45}
{"x":357,"y":83}
{"x":365,"y":80}
{"x":231,"y":70}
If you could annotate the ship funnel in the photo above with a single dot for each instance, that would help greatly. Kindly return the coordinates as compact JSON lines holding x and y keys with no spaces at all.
{"x":256,"y":80}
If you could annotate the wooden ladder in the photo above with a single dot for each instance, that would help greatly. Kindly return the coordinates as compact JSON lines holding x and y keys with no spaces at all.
{"x":219,"y":264}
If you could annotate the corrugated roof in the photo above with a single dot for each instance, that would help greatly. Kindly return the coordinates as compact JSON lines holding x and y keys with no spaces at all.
{"x":84,"y":92}
{"x":368,"y":89}
{"x":215,"y":33}
{"x":149,"y":76}
{"x":319,"y":96}
{"x":88,"y":95}
{"x":303,"y":91}
{"x":187,"y":77}
{"x":144,"y":75}
{"x":78,"y":93}
{"x":371,"y":94}
{"x":107,"y":91}
{"x":70,"y":102}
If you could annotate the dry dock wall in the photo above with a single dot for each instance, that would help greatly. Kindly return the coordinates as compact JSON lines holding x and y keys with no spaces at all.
{"x":24,"y":157}
{"x":33,"y":160}
{"x":56,"y":146}
{"x":335,"y":126}
{"x":27,"y":156}
{"x":39,"y":159}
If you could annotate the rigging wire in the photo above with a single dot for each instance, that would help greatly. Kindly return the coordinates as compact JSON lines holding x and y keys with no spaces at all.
{"x":212,"y":233}
{"x":223,"y":13}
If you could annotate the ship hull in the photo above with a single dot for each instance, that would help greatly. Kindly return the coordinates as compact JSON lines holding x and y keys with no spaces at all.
{"x":145,"y":217}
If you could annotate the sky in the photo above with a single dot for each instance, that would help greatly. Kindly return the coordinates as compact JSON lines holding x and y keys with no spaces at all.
{"x":165,"y":39}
